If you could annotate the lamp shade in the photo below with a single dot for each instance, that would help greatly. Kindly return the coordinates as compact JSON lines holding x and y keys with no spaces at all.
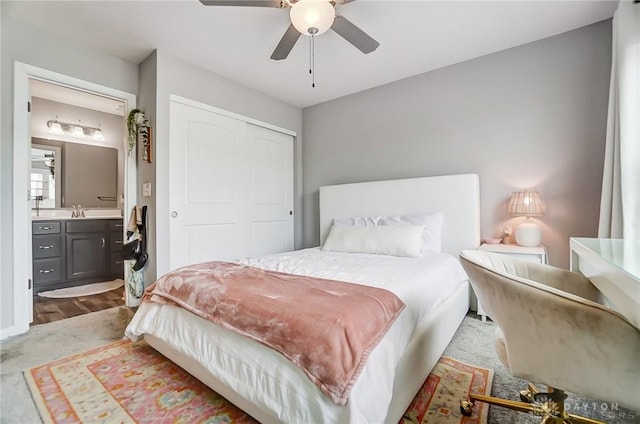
{"x":525,"y":203}
{"x":312,"y":17}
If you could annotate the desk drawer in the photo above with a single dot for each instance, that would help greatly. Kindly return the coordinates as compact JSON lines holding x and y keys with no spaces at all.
{"x":45,"y":227}
{"x":47,"y":270}
{"x":46,"y":246}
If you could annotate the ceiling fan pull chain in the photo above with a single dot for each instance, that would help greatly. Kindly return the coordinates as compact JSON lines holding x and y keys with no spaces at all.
{"x":312,"y":61}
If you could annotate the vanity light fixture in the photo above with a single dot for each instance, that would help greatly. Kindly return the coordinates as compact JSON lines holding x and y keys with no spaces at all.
{"x":76,"y":130}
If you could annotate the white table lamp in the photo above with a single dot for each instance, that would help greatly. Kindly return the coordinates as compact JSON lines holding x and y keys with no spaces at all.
{"x":527,"y":203}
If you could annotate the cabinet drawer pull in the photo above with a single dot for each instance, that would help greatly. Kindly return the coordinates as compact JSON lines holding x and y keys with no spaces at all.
{"x":103,"y":242}
{"x":118,"y":241}
{"x":119,"y":262}
{"x":46,"y":271}
{"x":46,"y":247}
{"x":46,"y":228}
{"x":118,"y":225}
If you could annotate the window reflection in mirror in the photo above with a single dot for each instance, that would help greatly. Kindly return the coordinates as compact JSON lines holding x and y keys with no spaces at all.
{"x":45,"y":187}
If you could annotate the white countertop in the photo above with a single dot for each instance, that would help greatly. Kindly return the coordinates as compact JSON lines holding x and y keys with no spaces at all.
{"x":64,"y":214}
{"x":68,"y":218}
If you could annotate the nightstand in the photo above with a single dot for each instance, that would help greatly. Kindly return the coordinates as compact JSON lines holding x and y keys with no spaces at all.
{"x":533,"y":254}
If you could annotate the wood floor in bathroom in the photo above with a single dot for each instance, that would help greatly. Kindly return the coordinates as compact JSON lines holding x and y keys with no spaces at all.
{"x":48,"y":310}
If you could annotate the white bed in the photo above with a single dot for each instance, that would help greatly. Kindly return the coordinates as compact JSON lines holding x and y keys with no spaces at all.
{"x":265,"y":385}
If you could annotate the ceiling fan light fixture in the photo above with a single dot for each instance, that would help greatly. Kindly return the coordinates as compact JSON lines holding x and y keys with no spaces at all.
{"x":312,"y":17}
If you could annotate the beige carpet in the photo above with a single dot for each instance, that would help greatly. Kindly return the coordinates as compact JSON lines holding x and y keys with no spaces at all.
{"x":85,"y":290}
{"x":473,"y":344}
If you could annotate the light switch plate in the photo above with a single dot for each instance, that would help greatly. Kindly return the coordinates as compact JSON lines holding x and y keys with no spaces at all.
{"x":146,"y":190}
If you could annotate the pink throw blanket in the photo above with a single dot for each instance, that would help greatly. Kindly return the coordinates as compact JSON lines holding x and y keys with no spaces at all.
{"x":327,"y":328}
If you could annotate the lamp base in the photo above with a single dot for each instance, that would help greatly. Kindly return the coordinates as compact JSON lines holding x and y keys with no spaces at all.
{"x":528,"y":234}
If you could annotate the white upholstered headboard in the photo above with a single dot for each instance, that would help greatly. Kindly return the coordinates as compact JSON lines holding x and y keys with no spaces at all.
{"x":456,"y":196}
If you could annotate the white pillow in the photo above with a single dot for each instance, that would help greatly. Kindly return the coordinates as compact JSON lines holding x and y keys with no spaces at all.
{"x":393,"y":240}
{"x":431,"y":236}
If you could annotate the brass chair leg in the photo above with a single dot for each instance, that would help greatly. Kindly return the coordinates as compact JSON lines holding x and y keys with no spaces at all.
{"x":550,"y":407}
{"x":527,"y":394}
{"x":511,"y":404}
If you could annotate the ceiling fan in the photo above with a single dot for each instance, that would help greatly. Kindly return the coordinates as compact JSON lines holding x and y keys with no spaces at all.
{"x":308,"y":17}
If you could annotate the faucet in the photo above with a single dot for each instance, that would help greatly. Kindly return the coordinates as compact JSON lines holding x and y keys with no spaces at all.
{"x":77,"y":212}
{"x":38,"y":199}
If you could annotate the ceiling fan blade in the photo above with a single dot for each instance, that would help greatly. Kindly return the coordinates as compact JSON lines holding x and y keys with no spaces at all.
{"x":286,"y":43}
{"x":253,"y":3}
{"x":354,"y":35}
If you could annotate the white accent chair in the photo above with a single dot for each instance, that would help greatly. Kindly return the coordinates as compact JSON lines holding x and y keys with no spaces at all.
{"x":552,"y":330}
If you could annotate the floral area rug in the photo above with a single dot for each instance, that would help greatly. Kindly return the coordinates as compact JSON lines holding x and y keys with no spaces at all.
{"x":438,"y":401}
{"x":126,"y":382}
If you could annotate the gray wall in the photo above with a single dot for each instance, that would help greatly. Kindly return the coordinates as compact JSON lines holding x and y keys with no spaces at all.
{"x":35,"y":47}
{"x":147,"y":171}
{"x":174,"y":76}
{"x":531,"y":117}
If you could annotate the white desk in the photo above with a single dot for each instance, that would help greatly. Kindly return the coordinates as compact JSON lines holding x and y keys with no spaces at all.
{"x":613,"y":266}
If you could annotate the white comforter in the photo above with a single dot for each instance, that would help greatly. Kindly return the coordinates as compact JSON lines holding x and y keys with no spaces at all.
{"x":267,"y":379}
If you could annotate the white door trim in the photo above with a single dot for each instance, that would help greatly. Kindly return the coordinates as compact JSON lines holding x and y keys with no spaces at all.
{"x":188,"y":102}
{"x":22,"y":270}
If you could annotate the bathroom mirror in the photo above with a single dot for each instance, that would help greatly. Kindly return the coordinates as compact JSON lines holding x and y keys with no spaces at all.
{"x":65,"y":174}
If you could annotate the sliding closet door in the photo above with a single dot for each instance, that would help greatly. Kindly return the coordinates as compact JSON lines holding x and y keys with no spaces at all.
{"x":231,"y":188}
{"x":270,"y":165}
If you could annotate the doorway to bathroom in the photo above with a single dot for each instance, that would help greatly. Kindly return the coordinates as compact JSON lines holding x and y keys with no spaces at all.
{"x":76,"y":181}
{"x":29,"y":85}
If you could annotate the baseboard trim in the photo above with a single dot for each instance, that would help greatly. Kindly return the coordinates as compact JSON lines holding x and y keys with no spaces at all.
{"x":14,"y":330}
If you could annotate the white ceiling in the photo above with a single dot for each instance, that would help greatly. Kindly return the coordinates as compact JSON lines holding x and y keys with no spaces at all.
{"x":236,"y":42}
